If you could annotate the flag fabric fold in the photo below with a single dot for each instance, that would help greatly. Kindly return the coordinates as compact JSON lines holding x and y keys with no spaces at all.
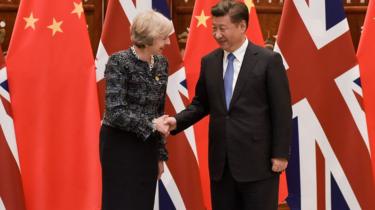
{"x":51,"y":76}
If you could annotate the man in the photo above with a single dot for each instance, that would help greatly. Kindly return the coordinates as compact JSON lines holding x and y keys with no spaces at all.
{"x":245,"y":91}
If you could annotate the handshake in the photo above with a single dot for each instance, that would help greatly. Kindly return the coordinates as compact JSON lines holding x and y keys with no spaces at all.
{"x":164,"y":124}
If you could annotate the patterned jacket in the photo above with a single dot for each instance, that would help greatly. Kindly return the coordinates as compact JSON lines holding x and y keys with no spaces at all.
{"x":135,"y":95}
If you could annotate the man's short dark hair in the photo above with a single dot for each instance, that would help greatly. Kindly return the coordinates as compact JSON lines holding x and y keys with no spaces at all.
{"x":236,"y":10}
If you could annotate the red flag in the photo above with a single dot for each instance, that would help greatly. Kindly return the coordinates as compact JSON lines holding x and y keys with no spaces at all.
{"x":200,"y":32}
{"x":254,"y":32}
{"x":366,"y":61}
{"x":11,"y":191}
{"x":180,"y":185}
{"x":55,"y":106}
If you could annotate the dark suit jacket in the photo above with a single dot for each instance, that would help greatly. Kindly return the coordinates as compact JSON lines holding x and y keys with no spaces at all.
{"x":257,"y":126}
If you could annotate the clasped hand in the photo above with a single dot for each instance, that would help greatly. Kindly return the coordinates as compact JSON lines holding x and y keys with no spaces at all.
{"x":164,"y":124}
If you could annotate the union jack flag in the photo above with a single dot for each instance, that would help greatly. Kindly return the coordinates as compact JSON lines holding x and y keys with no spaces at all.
{"x":330,"y":164}
{"x":180,"y":186}
{"x":11,"y":191}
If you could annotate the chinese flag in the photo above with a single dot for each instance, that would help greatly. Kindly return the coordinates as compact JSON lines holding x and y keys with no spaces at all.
{"x":254,"y":33}
{"x":200,"y":42}
{"x":366,"y":62}
{"x":55,"y":106}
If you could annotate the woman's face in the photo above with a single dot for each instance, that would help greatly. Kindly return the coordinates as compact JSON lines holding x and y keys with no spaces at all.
{"x":159,"y":44}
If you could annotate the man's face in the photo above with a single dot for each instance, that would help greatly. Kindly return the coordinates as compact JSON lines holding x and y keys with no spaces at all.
{"x":228,"y":35}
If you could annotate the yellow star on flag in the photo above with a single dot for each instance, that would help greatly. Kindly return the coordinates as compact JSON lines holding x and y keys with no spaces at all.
{"x":55,"y":27}
{"x":78,"y":9}
{"x":202,"y":18}
{"x":249,"y":3}
{"x":30,"y":21}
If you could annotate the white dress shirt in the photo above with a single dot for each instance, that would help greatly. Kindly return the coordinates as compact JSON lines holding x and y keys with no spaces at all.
{"x":239,"y":54}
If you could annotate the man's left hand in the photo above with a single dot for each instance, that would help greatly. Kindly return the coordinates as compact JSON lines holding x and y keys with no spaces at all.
{"x":279,"y":164}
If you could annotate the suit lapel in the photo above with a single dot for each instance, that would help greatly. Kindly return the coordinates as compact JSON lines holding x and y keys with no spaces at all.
{"x":247,"y":66}
{"x":218,"y":66}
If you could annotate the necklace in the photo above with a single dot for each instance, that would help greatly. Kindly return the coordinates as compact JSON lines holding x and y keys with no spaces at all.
{"x":150,"y":65}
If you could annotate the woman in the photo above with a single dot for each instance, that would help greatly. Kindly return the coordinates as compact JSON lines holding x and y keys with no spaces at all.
{"x":132,"y":148}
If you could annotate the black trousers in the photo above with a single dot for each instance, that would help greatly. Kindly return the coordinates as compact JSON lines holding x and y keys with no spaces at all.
{"x":129,"y":170}
{"x":229,"y":194}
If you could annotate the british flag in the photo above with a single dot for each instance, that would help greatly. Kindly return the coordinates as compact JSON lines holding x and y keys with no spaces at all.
{"x":330,"y":164}
{"x":11,"y":191}
{"x":180,"y":186}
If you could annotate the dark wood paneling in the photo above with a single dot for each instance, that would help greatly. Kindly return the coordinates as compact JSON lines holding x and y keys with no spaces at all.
{"x":9,"y":2}
{"x":356,"y":17}
{"x":93,"y":11}
{"x":181,"y":16}
{"x":8,"y":15}
{"x":269,"y":19}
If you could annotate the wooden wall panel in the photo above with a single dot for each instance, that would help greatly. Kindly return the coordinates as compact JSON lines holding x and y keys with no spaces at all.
{"x":8,"y":13}
{"x":181,"y":16}
{"x":356,"y":17}
{"x":93,"y":11}
{"x":269,"y":18}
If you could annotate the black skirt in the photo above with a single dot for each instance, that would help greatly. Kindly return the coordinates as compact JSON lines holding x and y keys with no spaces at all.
{"x":129,"y":170}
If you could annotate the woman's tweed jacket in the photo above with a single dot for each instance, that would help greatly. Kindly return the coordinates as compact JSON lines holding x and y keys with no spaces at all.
{"x":135,"y":95}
